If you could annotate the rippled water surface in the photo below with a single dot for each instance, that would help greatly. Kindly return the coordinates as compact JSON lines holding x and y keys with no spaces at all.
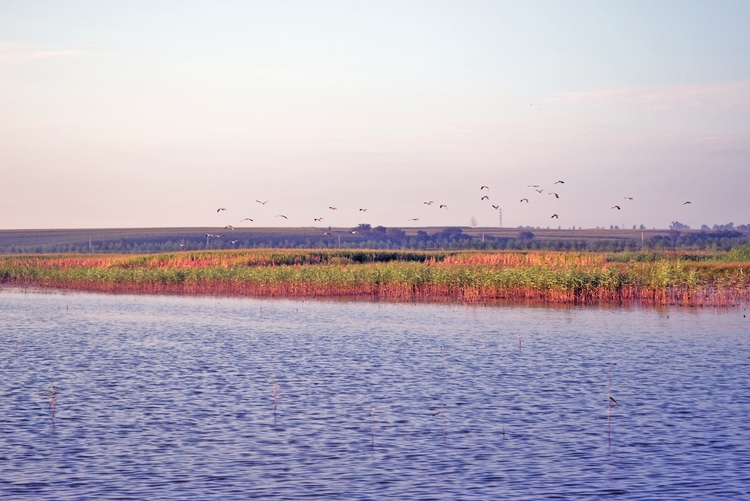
{"x":171,"y":398}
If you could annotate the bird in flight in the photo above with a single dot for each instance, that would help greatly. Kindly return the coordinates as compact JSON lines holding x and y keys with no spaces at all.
{"x":539,"y":191}
{"x":428,"y":203}
{"x":262,"y":203}
{"x":229,"y":227}
{"x":282,"y":215}
{"x":559,"y":182}
{"x":332,"y":208}
{"x":525,"y":200}
{"x":484,"y":188}
{"x":616,"y":207}
{"x":533,"y":185}
{"x":496,"y":207}
{"x":615,"y":401}
{"x":553,"y":193}
{"x":362,"y":210}
{"x":485,"y":197}
{"x":628,"y":198}
{"x":443,"y":206}
{"x":246,"y":219}
{"x":685,"y":203}
{"x":413,"y":219}
{"x":326,"y":234}
{"x":555,"y":216}
{"x":318,"y":219}
{"x":234,"y":241}
{"x":221,"y":209}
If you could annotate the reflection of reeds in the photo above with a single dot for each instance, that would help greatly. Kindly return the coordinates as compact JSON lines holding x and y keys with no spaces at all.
{"x":471,"y":277}
{"x":275,"y":387}
{"x":442,"y":414}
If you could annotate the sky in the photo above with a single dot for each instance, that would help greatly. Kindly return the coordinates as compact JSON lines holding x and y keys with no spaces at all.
{"x":156,"y":114}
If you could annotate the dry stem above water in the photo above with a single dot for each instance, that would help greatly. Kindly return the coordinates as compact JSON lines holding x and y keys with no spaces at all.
{"x":474,"y":277}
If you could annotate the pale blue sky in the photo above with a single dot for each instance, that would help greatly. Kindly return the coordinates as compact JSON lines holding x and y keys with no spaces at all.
{"x":137,"y":114}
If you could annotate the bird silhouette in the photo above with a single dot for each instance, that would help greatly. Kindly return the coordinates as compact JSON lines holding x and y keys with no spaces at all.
{"x":229,"y":227}
{"x":559,"y":182}
{"x":484,"y":188}
{"x":485,"y":197}
{"x":615,"y":207}
{"x":262,"y":203}
{"x":282,"y":215}
{"x":555,"y":216}
{"x":362,"y":210}
{"x":533,"y":185}
{"x":553,"y":193}
{"x":496,"y":207}
{"x":332,"y":208}
{"x":539,"y":191}
{"x":443,"y":206}
{"x":246,"y":219}
{"x":221,"y":209}
{"x":685,"y":203}
{"x":413,"y":219}
{"x":615,"y":401}
{"x":628,"y":198}
{"x":428,"y":203}
{"x":318,"y":219}
{"x":525,"y":200}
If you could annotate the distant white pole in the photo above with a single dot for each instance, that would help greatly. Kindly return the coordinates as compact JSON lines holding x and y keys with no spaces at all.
{"x":500,"y":212}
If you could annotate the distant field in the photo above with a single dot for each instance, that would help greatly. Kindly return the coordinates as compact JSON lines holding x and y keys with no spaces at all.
{"x":140,"y":240}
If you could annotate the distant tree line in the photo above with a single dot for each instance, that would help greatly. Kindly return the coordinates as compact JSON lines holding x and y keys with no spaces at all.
{"x":366,"y":237}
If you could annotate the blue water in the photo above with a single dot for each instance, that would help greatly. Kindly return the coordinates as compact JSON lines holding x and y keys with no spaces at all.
{"x":171,"y":398}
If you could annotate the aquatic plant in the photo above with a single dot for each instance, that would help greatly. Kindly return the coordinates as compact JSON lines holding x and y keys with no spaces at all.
{"x":470,"y":277}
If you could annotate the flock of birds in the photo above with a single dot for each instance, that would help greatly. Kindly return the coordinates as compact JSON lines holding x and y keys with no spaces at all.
{"x":484,"y":197}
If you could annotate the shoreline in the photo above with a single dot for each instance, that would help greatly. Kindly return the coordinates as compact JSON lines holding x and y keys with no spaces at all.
{"x":547,"y":278}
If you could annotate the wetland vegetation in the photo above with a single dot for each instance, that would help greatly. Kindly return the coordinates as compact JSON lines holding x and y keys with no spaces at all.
{"x":695,"y":278}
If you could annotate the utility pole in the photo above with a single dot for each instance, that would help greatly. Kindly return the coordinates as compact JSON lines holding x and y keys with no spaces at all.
{"x":500,"y":212}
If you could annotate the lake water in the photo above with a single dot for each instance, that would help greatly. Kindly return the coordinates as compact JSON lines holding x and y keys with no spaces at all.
{"x":171,"y":398}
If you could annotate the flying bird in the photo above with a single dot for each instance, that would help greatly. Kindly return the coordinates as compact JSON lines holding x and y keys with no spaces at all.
{"x":525,"y":200}
{"x":533,"y":185}
{"x":685,"y":203}
{"x":615,"y":207}
{"x":559,"y":182}
{"x":246,"y":219}
{"x":485,"y":197}
{"x":615,"y":401}
{"x":362,"y":210}
{"x":282,"y":215}
{"x":428,"y":203}
{"x":539,"y":191}
{"x":628,"y":198}
{"x":333,"y":208}
{"x":484,"y":188}
{"x":443,"y":206}
{"x":234,"y":241}
{"x":221,"y":209}
{"x":555,"y":216}
{"x":262,"y":203}
{"x":326,"y":234}
{"x":496,"y":207}
{"x":553,"y":193}
{"x":229,"y":227}
{"x":318,"y":219}
{"x":413,"y":219}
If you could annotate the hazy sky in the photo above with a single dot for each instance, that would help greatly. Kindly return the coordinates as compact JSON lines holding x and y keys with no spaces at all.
{"x":148,"y":114}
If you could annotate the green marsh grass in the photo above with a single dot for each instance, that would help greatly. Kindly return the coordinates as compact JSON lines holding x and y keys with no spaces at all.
{"x":466,"y":276}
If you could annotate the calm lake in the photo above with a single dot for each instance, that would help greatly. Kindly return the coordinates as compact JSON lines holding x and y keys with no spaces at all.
{"x":163,"y":397}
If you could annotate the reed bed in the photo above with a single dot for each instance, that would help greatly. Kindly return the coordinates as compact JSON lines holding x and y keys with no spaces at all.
{"x":470,"y":277}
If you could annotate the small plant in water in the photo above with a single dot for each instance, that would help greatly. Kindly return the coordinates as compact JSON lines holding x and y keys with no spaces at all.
{"x":275,"y":387}
{"x":442,"y":414}
{"x":52,"y":401}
